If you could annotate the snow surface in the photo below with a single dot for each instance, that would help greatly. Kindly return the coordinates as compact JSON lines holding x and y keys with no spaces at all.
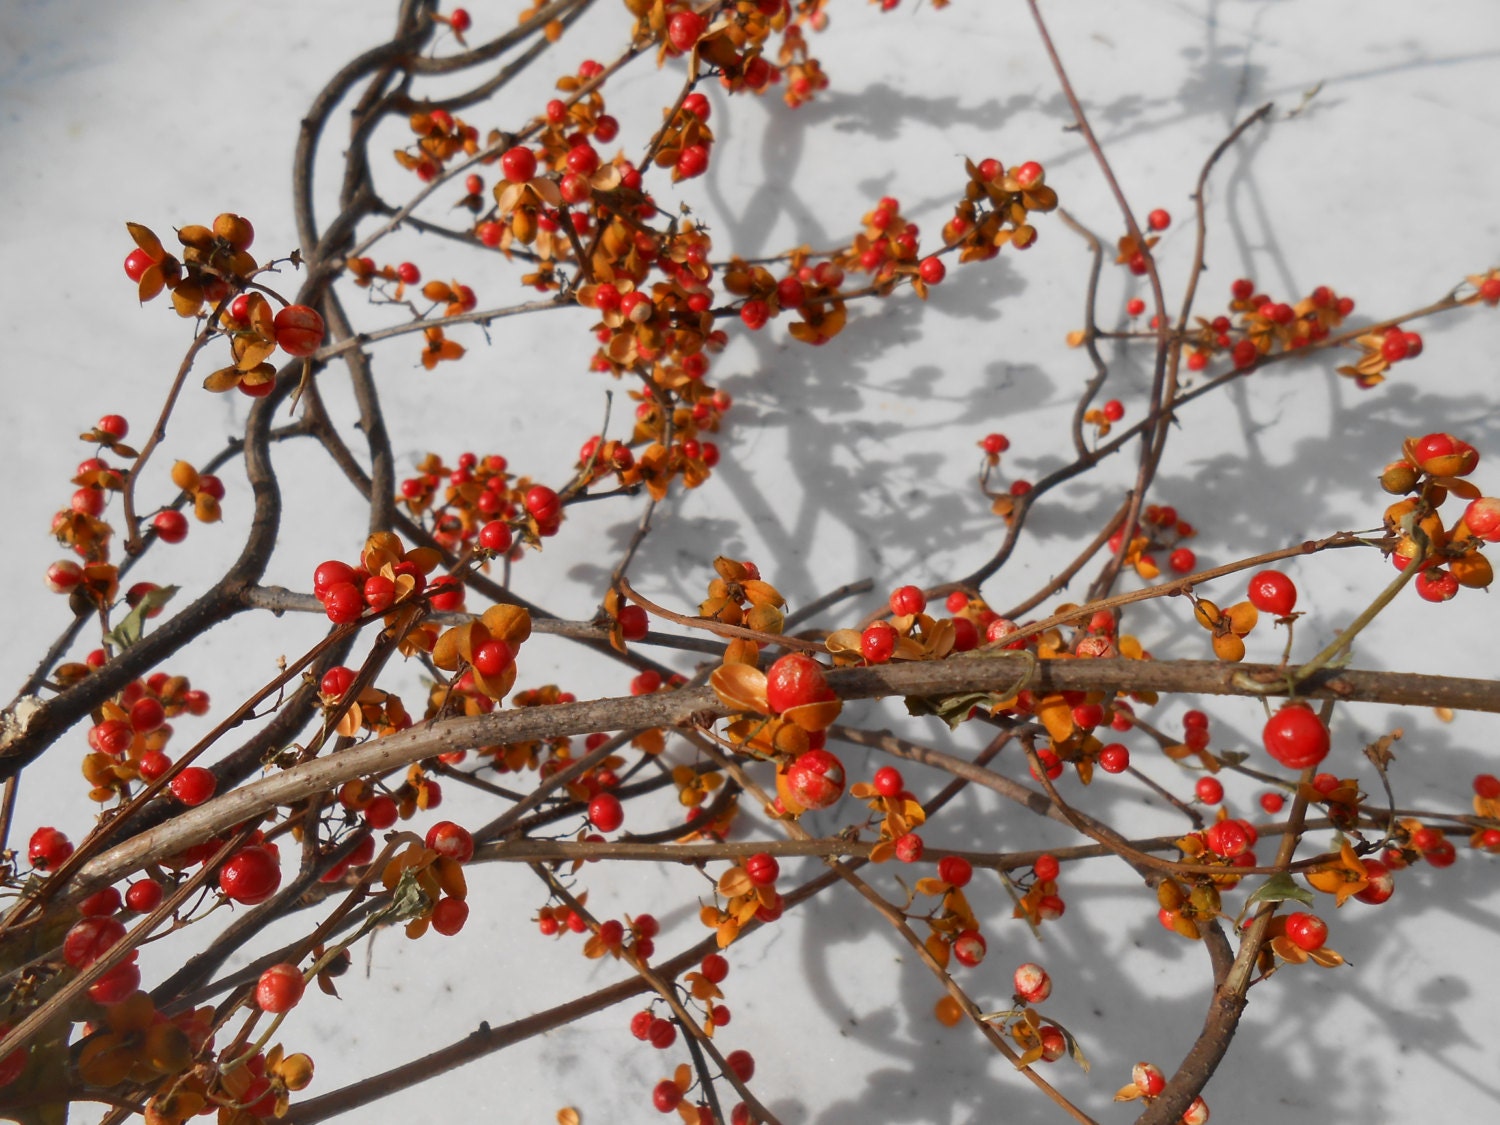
{"x":850,"y":461}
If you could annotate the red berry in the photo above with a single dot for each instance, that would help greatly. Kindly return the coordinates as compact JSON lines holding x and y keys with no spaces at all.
{"x":48,"y":849}
{"x":1487,"y":785}
{"x":742,"y":1063}
{"x":171,"y":526}
{"x":344,"y":602}
{"x":459,"y":20}
{"x":451,"y":840}
{"x":137,"y":262}
{"x":606,"y":813}
{"x":932,"y":270}
{"x":101,"y":903}
{"x":684,"y":30}
{"x":969,"y":948}
{"x":1050,"y":763}
{"x":153,"y":764}
{"x":194,"y":785}
{"x":446,"y":594}
{"x":1210,"y":791}
{"x":995,"y":443}
{"x":1244,"y":353}
{"x":1046,"y":868}
{"x":1243,"y":289}
{"x":697,"y":105}
{"x":1113,"y":410}
{"x":1273,"y":802}
{"x":634,"y":623}
{"x":116,"y":984}
{"x":1227,"y":838}
{"x":1148,"y":1079}
{"x":1382,"y":883}
{"x":662,"y":1033}
{"x":816,"y":779}
{"x":1182,"y":560}
{"x":143,"y":896}
{"x":1307,"y":931}
{"x":1443,"y":855}
{"x":666,"y":1095}
{"x":279,"y":988}
{"x":250,"y":876}
{"x":795,"y":680}
{"x":606,"y":128}
{"x":762,"y":869}
{"x":449,"y":916}
{"x":1273,"y":592}
{"x":715,"y":968}
{"x":909,"y":848}
{"x":90,"y":939}
{"x":877,"y":644}
{"x":496,"y":536}
{"x":889,"y":782}
{"x":1033,"y":983}
{"x":518,"y":164}
{"x":907,"y":600}
{"x":955,"y":870}
{"x":1114,"y":758}
{"x":493,"y":657}
{"x":299,"y":330}
{"x":965,"y":634}
{"x":1437,"y":585}
{"x":1028,"y":173}
{"x":381,"y":812}
{"x":1296,"y":737}
{"x":693,"y":161}
{"x":408,"y":273}
{"x":543,"y":503}
{"x":63,"y":576}
{"x":1159,"y":220}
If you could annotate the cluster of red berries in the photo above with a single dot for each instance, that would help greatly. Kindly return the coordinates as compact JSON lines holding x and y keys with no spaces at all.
{"x":1448,"y":558}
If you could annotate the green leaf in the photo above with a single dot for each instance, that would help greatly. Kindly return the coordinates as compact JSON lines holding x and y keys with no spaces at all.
{"x":1280,"y":888}
{"x":952,"y":709}
{"x":133,"y":625}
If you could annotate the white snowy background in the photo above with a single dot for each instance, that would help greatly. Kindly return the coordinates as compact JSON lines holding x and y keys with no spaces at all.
{"x":850,"y":461}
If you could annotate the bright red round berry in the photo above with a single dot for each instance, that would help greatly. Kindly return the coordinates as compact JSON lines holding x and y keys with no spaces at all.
{"x":1273,"y":592}
{"x":684,"y":30}
{"x":171,"y":526}
{"x":1046,"y":868}
{"x":194,"y":785}
{"x":889,"y":782}
{"x":518,"y":164}
{"x":995,"y":443}
{"x":877,"y":644}
{"x":250,"y":876}
{"x":1296,"y":737}
{"x":1033,"y":983}
{"x":381,"y":812}
{"x":143,"y":896}
{"x":1273,"y":802}
{"x":459,"y":20}
{"x":1182,"y":560}
{"x":795,"y":680}
{"x":715,"y":968}
{"x":1382,"y":883}
{"x":955,"y":870}
{"x":932,"y":270}
{"x":101,"y":903}
{"x":279,"y":988}
{"x":1159,"y":219}
{"x":1307,"y":931}
{"x":762,"y":869}
{"x":666,"y":1095}
{"x":1487,"y":785}
{"x":299,"y":330}
{"x":606,"y":813}
{"x":48,"y":849}
{"x":742,"y":1063}
{"x":1227,"y":838}
{"x":634,"y":623}
{"x":90,"y":939}
{"x":449,"y":915}
{"x":662,"y":1033}
{"x":1210,"y":790}
{"x":1114,"y":758}
{"x":907,"y":600}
